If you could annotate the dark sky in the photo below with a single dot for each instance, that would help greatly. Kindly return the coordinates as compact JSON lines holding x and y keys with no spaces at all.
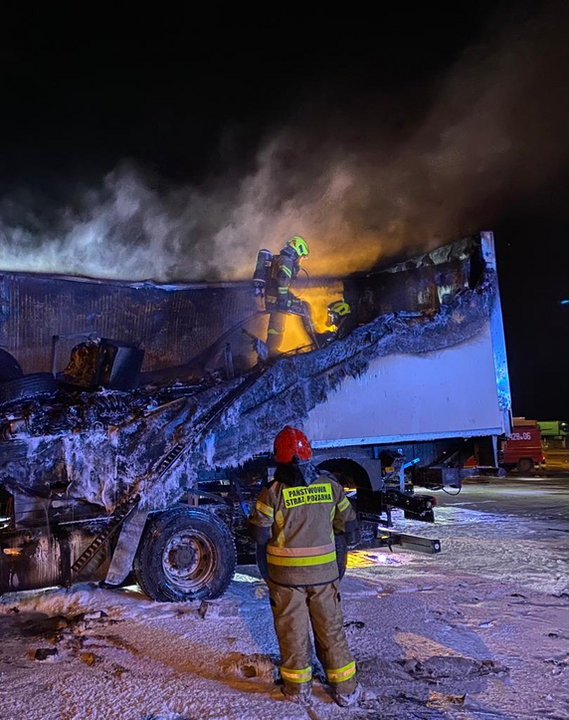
{"x":159,"y":144}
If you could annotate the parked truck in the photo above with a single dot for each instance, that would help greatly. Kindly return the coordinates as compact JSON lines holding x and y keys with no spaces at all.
{"x":554,"y":432}
{"x":141,"y":457}
{"x":522,"y":449}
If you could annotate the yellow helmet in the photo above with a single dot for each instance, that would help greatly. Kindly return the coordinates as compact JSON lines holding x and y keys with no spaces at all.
{"x":339,"y":307}
{"x":298,"y":244}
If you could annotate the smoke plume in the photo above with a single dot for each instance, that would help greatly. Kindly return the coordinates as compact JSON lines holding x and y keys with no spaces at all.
{"x":390,"y":175}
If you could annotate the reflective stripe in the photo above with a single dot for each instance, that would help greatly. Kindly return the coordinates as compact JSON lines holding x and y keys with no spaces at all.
{"x":286,"y":270}
{"x":298,"y":676}
{"x":341,"y":674}
{"x":283,"y":290}
{"x":272,"y":331}
{"x":343,"y":504}
{"x":301,"y":561}
{"x":301,"y":552}
{"x":265,"y":509}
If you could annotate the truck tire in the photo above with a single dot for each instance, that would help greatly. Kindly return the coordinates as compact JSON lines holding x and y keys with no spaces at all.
{"x":185,"y":554}
{"x":35,"y":385}
{"x":525,"y":465}
{"x":9,"y":367}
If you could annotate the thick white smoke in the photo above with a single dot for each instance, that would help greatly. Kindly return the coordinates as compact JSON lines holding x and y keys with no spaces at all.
{"x":492,"y":132}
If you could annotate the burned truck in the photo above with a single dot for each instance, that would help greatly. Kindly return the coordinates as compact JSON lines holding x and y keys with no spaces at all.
{"x":139,"y":458}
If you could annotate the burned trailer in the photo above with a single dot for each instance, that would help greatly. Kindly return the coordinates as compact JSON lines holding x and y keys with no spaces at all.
{"x":144,"y":455}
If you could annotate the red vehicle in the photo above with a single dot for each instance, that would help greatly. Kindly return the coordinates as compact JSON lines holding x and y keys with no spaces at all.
{"x":522,"y":450}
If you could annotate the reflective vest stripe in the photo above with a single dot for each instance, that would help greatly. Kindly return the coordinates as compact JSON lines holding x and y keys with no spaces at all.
{"x":298,"y":676}
{"x":343,"y":504}
{"x":283,"y":290}
{"x":301,"y":561}
{"x":286,"y":270}
{"x":341,"y":674}
{"x":265,"y":509}
{"x":301,"y":552}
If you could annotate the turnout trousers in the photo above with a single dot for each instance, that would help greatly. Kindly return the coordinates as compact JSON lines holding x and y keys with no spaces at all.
{"x":295,"y":609}
{"x":277,"y":321}
{"x":275,"y":333}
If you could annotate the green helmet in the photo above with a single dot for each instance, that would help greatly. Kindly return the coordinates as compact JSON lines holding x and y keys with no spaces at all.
{"x":340,"y":308}
{"x":298,"y":244}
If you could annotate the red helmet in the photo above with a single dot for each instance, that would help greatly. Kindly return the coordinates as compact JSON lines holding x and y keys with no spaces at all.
{"x":289,"y":443}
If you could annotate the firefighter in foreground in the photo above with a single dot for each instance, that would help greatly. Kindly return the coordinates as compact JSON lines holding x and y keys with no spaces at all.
{"x":294,"y":522}
{"x":272,"y":278}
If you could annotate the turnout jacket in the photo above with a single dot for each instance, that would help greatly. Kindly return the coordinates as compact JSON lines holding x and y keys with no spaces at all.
{"x":284,"y":268}
{"x":302,"y":520}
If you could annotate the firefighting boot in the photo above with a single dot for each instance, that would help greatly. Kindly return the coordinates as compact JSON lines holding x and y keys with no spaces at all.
{"x":302,"y":696}
{"x":354,"y":698}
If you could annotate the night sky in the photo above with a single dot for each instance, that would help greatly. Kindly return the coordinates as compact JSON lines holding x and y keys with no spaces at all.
{"x":173,"y":144}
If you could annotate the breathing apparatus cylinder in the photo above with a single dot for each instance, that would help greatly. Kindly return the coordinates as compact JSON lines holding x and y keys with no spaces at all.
{"x":262,"y":270}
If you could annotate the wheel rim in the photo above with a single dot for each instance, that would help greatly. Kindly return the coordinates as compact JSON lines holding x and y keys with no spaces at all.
{"x":188,"y":560}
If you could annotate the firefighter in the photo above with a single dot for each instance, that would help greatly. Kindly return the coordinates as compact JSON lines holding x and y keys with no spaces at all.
{"x":294,"y":522}
{"x":273,"y":276}
{"x":341,"y":322}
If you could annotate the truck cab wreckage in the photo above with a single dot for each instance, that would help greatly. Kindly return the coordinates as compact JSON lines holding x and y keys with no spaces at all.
{"x":144,"y":455}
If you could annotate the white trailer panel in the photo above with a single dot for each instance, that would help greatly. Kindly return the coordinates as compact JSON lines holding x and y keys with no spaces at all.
{"x":448,"y":393}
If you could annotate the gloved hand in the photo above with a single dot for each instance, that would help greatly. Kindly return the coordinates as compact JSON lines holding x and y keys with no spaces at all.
{"x":325,"y":338}
{"x":261,"y":535}
{"x":297,"y":306}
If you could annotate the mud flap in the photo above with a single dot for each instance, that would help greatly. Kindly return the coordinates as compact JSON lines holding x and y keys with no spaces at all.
{"x":126,"y":547}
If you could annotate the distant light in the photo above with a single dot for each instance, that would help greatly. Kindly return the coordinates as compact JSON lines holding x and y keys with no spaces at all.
{"x":564,"y":302}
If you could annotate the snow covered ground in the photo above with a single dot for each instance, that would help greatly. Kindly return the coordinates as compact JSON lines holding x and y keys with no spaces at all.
{"x":479,"y":630}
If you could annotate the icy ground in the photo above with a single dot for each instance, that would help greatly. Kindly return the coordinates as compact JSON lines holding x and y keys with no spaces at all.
{"x":479,"y":630}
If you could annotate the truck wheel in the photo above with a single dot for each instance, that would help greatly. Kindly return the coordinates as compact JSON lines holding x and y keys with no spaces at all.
{"x":525,"y":465}
{"x":185,"y":555}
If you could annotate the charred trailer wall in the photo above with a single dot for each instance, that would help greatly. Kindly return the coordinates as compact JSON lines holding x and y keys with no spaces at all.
{"x":172,"y":324}
{"x":420,"y":285}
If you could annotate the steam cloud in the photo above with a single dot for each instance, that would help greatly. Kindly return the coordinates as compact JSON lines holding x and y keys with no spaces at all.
{"x":357,"y":186}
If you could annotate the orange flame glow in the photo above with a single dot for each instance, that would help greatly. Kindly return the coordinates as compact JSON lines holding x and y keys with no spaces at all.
{"x":318,"y":298}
